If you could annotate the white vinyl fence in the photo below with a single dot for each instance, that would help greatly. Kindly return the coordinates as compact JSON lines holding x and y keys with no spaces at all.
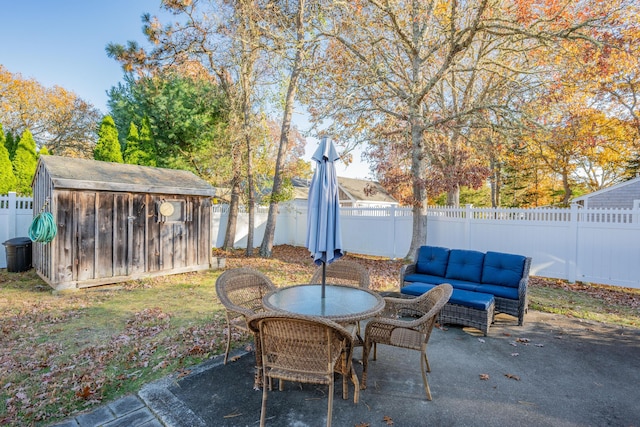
{"x":589,"y":245}
{"x":16,"y":214}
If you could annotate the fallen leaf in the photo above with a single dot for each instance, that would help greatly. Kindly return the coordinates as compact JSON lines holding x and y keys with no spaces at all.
{"x":387,"y":420}
{"x":84,"y":393}
{"x":183,"y":373}
{"x":481,"y":340}
{"x":234,"y":358}
{"x":522,"y":339}
{"x":363,"y":425}
{"x":506,"y":334}
{"x":513,"y":377}
{"x":515,"y":354}
{"x":539,"y":345}
{"x":484,"y":377}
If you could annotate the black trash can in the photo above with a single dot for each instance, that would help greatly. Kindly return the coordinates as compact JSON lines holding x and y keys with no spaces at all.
{"x":18,"y":254}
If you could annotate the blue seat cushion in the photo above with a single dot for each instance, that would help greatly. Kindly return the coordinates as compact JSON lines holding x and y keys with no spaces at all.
{"x":465,"y":265}
{"x":437,"y":280}
{"x":416,"y":289}
{"x":499,"y":291}
{"x":425,"y":278}
{"x":477,"y":300}
{"x":502,"y":269}
{"x":432,"y":260}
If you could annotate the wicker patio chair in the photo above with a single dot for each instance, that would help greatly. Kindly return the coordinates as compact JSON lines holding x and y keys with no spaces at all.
{"x":303,"y":349}
{"x":347,"y":273}
{"x":406,"y":323}
{"x":240,"y":290}
{"x":343,"y":272}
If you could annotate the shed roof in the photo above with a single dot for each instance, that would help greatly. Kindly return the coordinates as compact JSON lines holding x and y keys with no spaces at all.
{"x":85,"y":174}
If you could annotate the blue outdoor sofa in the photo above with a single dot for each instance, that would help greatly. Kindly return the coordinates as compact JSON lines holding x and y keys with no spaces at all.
{"x":484,"y":283}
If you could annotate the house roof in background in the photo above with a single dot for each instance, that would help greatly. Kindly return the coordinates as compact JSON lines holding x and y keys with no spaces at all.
{"x":356,"y":189}
{"x":614,"y":187}
{"x":83,"y":174}
{"x":367,"y":191}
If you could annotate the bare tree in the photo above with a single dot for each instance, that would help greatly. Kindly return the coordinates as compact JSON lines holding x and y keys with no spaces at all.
{"x":385,"y":60}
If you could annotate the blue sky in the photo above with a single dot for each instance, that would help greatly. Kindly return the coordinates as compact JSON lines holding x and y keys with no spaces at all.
{"x":62,"y":42}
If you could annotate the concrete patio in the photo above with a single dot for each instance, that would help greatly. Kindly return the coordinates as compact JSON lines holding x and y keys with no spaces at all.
{"x":553,"y":371}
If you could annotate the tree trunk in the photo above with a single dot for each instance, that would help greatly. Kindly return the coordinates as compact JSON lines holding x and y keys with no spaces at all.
{"x":453,"y":196}
{"x":246,"y":129}
{"x":266,"y":247}
{"x":566,"y":187}
{"x":418,"y":172}
{"x":232,"y":220}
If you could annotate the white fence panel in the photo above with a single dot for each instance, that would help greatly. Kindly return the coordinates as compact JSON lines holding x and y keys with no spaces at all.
{"x":16,"y":214}
{"x":609,"y":253}
{"x":591,"y":245}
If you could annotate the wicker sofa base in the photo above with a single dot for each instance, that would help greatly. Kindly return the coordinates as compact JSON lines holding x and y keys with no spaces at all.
{"x":467,"y":316}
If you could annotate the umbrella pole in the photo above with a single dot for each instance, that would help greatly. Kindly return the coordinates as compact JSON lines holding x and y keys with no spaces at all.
{"x":324,"y":276}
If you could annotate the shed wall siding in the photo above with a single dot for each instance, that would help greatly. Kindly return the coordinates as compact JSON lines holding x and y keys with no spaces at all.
{"x":109,"y":237}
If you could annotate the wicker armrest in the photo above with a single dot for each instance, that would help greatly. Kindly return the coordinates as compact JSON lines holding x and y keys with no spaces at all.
{"x":405,"y":270}
{"x":396,"y":308}
{"x":240,"y":311}
{"x":397,"y":322}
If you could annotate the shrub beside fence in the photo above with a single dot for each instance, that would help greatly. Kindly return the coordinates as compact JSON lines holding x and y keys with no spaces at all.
{"x":590,"y":245}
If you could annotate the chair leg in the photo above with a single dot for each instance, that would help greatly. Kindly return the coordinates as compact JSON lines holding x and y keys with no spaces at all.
{"x":345,"y":381}
{"x":426,"y":359}
{"x":263,"y":411}
{"x":356,"y":387}
{"x":423,"y":366}
{"x":226,"y":352}
{"x":330,"y":409}
{"x":365,"y":363}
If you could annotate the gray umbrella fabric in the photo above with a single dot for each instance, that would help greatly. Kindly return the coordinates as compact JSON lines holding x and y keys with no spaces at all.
{"x":324,"y":236}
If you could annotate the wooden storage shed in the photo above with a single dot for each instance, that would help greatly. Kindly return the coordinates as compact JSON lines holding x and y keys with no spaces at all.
{"x":117,"y":222}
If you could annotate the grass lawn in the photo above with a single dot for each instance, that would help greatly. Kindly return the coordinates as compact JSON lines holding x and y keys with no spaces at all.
{"x":61,"y":353}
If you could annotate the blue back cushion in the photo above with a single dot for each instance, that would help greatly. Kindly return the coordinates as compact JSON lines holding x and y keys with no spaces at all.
{"x":502,"y":269}
{"x":465,"y":265}
{"x":432,"y":260}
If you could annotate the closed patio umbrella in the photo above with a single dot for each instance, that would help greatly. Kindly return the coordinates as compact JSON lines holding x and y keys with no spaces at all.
{"x":324,"y":236}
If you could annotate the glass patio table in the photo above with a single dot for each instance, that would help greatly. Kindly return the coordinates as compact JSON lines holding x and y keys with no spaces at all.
{"x":342,"y":304}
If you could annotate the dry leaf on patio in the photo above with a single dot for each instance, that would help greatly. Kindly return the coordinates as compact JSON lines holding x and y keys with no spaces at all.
{"x":387,"y":420}
{"x":523,"y":340}
{"x":234,"y":358}
{"x":515,"y":354}
{"x":183,"y":373}
{"x":363,"y":425}
{"x":513,"y":377}
{"x":481,"y":340}
{"x":484,"y":377}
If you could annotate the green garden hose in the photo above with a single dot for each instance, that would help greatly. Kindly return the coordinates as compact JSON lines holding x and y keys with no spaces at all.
{"x":43,"y":228}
